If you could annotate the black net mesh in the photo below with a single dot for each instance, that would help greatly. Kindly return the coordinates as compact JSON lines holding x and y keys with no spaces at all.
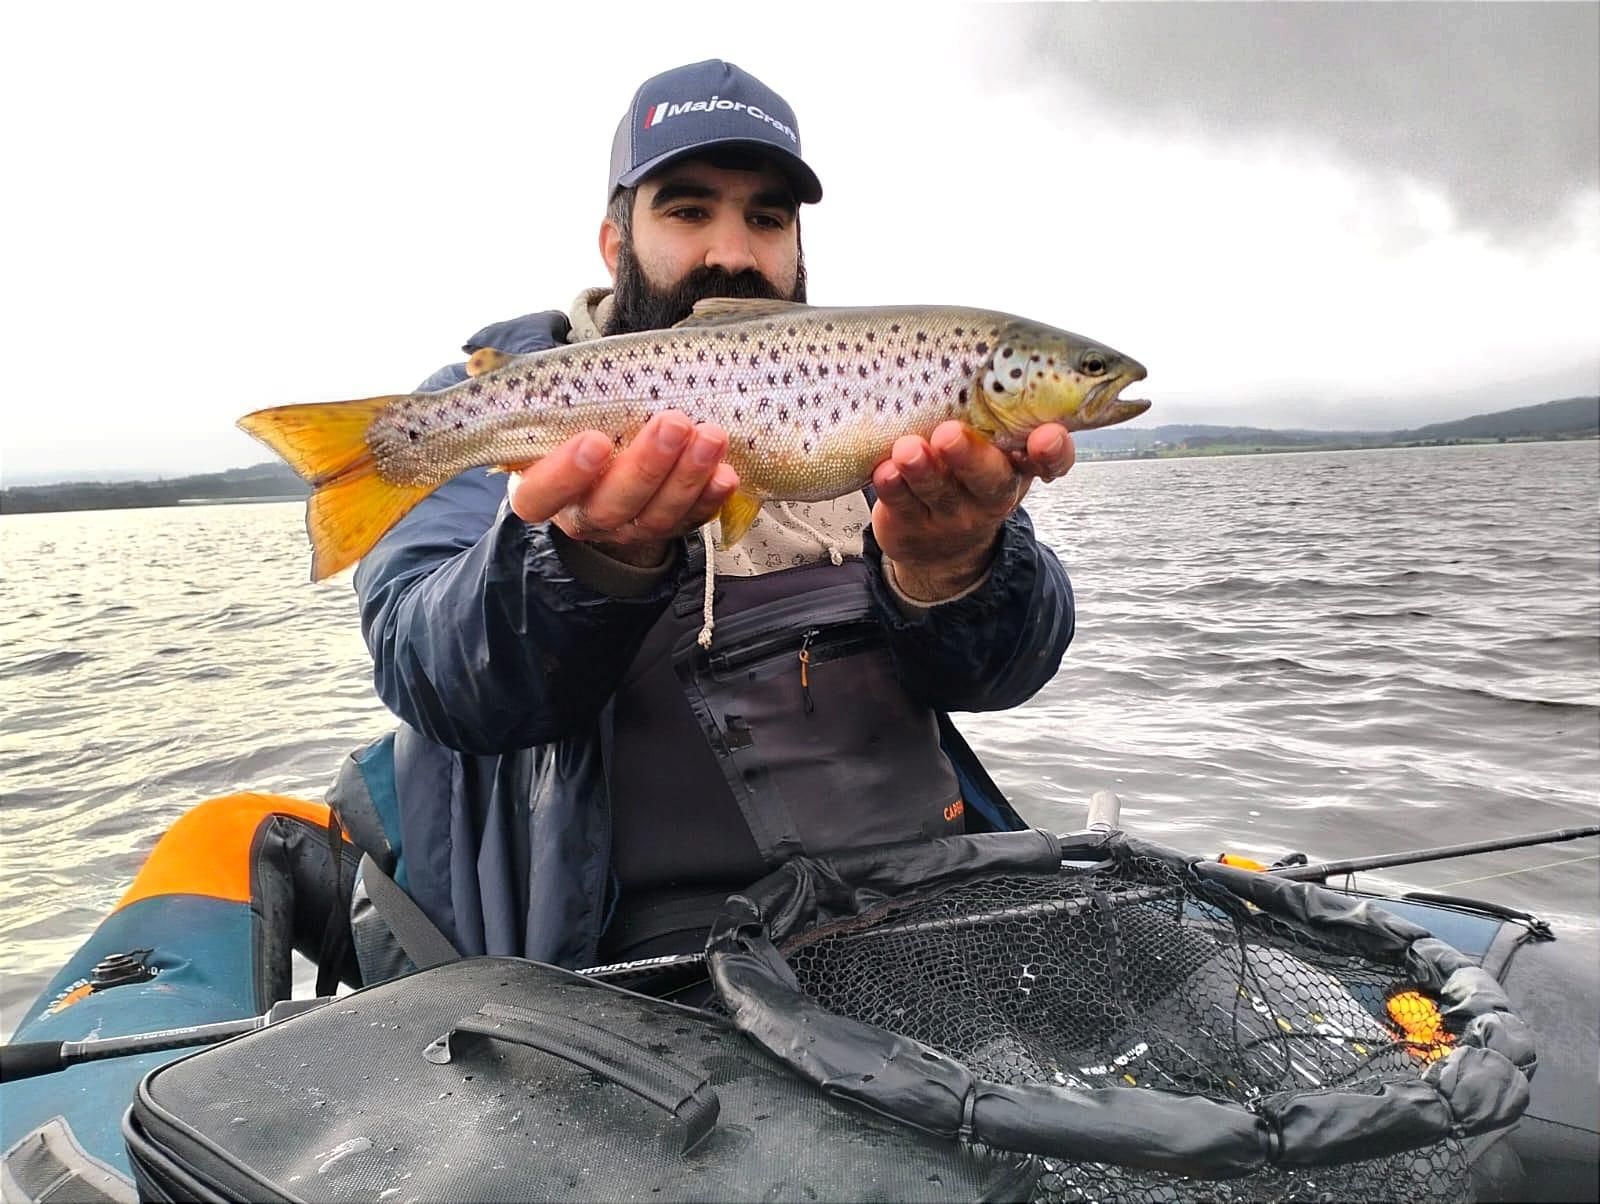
{"x":1136,"y":980}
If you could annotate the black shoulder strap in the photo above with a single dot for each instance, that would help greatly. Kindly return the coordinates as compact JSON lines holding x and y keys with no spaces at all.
{"x":419,"y":936}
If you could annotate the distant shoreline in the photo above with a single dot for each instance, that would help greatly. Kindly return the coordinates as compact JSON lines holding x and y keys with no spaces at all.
{"x":267,"y":483}
{"x":1191,"y":453}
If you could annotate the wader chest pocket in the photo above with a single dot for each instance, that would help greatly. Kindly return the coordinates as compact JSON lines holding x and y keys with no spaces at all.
{"x":815,"y":735}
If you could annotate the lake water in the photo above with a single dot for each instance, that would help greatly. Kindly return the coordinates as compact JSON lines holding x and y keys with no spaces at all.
{"x":1341,"y":653}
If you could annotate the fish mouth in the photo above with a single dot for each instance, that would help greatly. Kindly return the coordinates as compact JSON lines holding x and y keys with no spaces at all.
{"x":1105,"y":406}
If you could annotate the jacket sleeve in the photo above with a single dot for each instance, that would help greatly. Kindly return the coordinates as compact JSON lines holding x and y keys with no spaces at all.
{"x":481,"y":637}
{"x":993,"y":648}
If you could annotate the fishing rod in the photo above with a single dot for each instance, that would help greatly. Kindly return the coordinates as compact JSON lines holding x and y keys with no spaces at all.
{"x":1322,"y":870}
{"x":32,"y":1058}
{"x":1104,"y":816}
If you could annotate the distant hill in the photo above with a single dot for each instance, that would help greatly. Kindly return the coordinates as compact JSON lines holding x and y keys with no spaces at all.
{"x":1573,"y":416}
{"x":1569,"y":418}
{"x":271,"y":481}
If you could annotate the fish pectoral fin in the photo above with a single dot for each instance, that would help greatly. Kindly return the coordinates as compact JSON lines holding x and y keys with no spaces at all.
{"x":715,"y":311}
{"x":487,"y":359}
{"x":736,"y":515}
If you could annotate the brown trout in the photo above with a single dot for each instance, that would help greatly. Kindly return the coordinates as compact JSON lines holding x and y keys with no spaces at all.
{"x":812,"y":399}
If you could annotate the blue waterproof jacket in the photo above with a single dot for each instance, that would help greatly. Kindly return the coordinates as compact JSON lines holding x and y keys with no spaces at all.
{"x":500,"y":663}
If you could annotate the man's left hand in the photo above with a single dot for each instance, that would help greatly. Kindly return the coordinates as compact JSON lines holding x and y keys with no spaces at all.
{"x":942,"y":500}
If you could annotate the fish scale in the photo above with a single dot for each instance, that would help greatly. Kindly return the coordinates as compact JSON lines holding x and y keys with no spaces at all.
{"x":812,"y":400}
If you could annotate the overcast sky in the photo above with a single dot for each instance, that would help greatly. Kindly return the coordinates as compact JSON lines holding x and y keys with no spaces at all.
{"x":1337,"y":216}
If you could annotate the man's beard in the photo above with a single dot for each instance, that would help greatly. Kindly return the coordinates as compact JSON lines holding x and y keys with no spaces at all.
{"x":637,"y":305}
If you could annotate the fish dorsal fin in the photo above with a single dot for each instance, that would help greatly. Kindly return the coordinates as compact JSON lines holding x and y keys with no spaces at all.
{"x":487,"y":359}
{"x":714,"y":311}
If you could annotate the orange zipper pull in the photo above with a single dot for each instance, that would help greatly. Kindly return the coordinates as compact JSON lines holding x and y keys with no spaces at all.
{"x":805,"y":669}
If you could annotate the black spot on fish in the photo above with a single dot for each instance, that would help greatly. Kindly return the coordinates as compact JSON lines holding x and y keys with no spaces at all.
{"x":722,"y":360}
{"x":788,"y":378}
{"x":922,"y":336}
{"x":616,"y":441}
{"x":1016,"y":374}
{"x":475,"y":389}
{"x":783,"y":412}
{"x":982,"y":349}
{"x":791,"y":332}
{"x":754,"y":360}
{"x":828,"y":327}
{"x":862,"y":370}
{"x":743,"y":388}
{"x":459,"y":426}
{"x":900,"y":361}
{"x":854,"y":406}
{"x":860,"y":348}
{"x":605,"y":365}
{"x":750,"y":442}
{"x":959,"y":332}
{"x":894,"y":328}
{"x":700,"y":356}
{"x":962,"y":397}
{"x":1005,"y":353}
{"x":871,"y":337}
{"x":966,"y":368}
{"x":822,"y":369}
{"x":834,"y":416}
{"x":772,"y":378}
{"x":816,"y":426}
{"x":927,"y":377}
{"x":414,"y":435}
{"x":1034,"y":358}
{"x":666,"y":374}
{"x":566,"y":399}
{"x":738,"y":416}
{"x":808,"y":445}
{"x":773,"y":355}
{"x":899,"y":406}
{"x":655,"y":393}
{"x":945,"y":363}
{"x":764,"y":404}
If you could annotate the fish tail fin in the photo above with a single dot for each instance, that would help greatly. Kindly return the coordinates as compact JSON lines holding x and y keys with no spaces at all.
{"x":351,"y":506}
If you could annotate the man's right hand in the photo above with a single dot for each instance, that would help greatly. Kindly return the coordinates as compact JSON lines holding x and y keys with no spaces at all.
{"x":669,"y":481}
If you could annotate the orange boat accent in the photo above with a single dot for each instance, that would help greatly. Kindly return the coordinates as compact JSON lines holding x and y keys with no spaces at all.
{"x":207,"y":851}
{"x":1243,"y":863}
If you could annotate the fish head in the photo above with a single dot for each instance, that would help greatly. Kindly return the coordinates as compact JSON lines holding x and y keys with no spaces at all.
{"x":1037,"y":374}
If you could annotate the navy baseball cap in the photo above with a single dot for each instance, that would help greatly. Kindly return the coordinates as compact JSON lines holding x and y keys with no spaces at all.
{"x":704,"y":105}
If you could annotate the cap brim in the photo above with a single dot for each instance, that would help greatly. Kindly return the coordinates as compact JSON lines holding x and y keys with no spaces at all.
{"x":807,"y":188}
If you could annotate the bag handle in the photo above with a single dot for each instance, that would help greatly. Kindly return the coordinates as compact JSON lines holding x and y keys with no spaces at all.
{"x":686,"y":1096}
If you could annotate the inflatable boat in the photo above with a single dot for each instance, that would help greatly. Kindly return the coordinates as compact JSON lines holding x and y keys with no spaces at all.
{"x":201,"y":947}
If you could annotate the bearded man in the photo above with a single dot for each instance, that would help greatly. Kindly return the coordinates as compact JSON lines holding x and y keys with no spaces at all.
{"x":576,"y":779}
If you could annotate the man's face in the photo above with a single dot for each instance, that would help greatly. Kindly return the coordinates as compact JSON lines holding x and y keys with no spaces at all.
{"x":703,"y":231}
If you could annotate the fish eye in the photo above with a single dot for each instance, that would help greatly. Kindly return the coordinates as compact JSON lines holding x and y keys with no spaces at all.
{"x":1092,"y":364}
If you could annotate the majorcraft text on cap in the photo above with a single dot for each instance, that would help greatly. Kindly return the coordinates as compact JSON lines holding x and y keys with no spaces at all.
{"x":704,"y":105}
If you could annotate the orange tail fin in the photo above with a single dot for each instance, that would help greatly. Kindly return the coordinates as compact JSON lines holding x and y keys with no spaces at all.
{"x":351,"y":506}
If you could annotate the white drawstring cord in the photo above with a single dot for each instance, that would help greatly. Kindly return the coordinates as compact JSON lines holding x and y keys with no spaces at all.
{"x":833,"y":550}
{"x":711,"y":576}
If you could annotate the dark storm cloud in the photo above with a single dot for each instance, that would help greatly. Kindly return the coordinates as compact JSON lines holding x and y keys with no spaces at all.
{"x":1498,"y":104}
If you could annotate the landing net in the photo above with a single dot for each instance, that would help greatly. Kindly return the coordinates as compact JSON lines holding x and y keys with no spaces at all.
{"x":1151,"y":1027}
